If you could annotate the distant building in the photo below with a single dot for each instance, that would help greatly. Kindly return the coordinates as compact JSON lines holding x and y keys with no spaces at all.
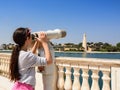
{"x":84,"y":43}
{"x":1,"y":47}
{"x":59,"y":48}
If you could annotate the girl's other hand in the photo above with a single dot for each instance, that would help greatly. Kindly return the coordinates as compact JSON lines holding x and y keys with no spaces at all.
{"x":43,"y":38}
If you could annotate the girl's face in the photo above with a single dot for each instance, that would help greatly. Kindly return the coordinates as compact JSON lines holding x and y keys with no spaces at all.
{"x":29,"y":41}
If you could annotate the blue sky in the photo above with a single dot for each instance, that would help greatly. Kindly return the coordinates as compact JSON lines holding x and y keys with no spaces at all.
{"x":99,"y":19}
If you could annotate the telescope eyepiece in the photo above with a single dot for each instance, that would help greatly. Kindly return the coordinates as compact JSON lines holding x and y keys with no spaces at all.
{"x":63,"y":33}
{"x":35,"y":35}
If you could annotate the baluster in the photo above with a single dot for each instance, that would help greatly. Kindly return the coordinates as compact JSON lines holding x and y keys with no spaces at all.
{"x":68,"y":82}
{"x":76,"y":83}
{"x":85,"y":84}
{"x":8,"y":63}
{"x":60,"y":83}
{"x":0,"y":62}
{"x":95,"y":78}
{"x":106,"y":78}
{"x":2,"y":65}
{"x":6,"y":67}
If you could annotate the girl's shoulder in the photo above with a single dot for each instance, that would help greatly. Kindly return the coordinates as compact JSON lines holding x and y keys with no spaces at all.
{"x":26,"y":53}
{"x":27,"y":56}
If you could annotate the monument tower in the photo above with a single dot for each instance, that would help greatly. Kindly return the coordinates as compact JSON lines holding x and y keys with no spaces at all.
{"x":84,"y":43}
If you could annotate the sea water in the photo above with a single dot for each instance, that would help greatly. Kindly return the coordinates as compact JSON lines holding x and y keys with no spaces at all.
{"x":107,"y":55}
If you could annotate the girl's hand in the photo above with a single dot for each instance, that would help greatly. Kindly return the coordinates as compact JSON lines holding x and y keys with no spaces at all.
{"x":43,"y":37}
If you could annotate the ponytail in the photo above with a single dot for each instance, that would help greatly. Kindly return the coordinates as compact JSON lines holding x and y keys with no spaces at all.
{"x":14,"y":69}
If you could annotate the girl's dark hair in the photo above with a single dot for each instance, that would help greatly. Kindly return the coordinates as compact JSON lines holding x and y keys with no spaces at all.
{"x":19,"y":36}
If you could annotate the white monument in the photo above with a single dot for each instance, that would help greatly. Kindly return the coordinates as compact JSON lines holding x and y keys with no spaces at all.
{"x":84,"y":43}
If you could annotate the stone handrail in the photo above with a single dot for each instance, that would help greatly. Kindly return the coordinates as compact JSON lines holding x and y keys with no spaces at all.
{"x":76,"y":73}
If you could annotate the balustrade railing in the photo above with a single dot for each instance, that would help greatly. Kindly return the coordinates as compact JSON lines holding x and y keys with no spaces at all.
{"x":99,"y":79}
{"x":76,"y":73}
{"x":4,"y":64}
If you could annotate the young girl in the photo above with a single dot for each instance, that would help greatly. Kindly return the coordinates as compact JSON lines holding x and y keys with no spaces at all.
{"x":23,"y":62}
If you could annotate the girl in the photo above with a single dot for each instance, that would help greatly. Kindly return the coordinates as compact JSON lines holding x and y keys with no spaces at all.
{"x":23,"y":62}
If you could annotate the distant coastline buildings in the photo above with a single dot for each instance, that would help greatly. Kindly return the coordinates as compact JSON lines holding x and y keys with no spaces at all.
{"x":83,"y":46}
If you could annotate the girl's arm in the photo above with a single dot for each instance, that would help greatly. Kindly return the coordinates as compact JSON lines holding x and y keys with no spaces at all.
{"x":47,"y":52}
{"x":44,"y":43}
{"x":34,"y":48}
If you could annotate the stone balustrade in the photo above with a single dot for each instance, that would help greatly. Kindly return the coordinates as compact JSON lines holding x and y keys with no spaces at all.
{"x":87,"y":73}
{"x":4,"y":64}
{"x":76,"y":73}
